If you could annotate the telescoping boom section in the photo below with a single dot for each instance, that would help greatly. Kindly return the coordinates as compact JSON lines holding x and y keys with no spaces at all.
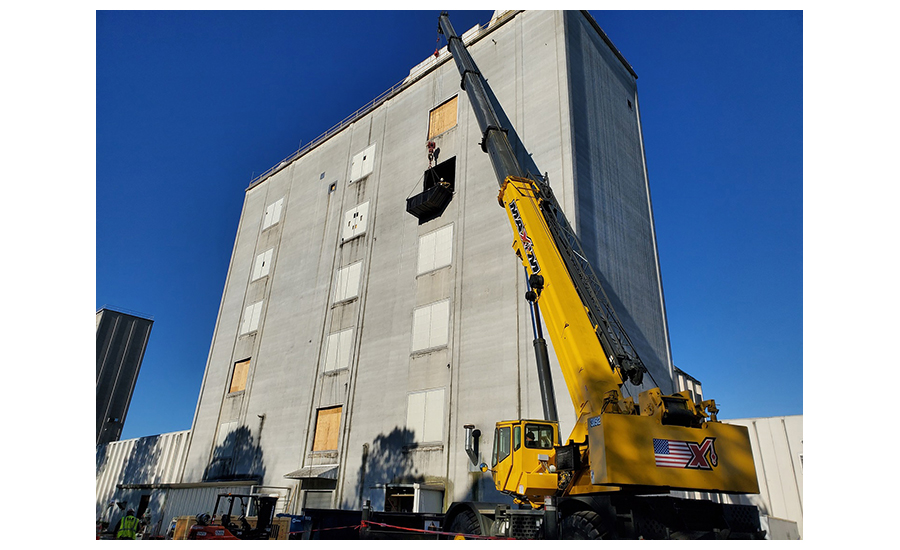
{"x":661,"y":442}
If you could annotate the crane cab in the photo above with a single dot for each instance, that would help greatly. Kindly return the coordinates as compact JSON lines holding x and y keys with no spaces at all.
{"x":523,"y":458}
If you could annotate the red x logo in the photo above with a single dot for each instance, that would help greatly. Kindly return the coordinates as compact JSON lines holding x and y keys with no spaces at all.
{"x":526,"y":240}
{"x":699,"y":452}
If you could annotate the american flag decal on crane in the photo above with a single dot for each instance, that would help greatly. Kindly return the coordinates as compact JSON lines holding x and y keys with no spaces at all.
{"x":670,"y":453}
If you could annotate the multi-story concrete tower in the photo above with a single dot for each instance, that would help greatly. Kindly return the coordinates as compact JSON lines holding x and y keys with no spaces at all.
{"x":373,"y":305}
{"x":121,"y":342}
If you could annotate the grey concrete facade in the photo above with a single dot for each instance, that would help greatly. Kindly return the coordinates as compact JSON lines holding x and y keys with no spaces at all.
{"x":329,"y":303}
{"x":121,"y":342}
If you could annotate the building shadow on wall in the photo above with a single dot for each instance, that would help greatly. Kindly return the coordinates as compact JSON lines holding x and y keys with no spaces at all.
{"x":102,"y":455}
{"x":239,"y":457}
{"x":386,"y":460}
{"x":141,"y":466}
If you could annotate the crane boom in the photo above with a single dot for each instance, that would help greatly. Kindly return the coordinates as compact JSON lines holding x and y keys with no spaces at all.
{"x":623,"y":360}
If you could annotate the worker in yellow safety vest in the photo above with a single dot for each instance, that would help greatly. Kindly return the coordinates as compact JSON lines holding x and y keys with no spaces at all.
{"x":128,"y":526}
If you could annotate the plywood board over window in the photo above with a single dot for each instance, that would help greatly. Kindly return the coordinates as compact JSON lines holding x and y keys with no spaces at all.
{"x":239,"y":376}
{"x":328,"y":423}
{"x":442,"y":118}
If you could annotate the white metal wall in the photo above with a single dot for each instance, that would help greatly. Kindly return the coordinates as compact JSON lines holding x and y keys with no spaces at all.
{"x":145,"y":460}
{"x":777,"y":444}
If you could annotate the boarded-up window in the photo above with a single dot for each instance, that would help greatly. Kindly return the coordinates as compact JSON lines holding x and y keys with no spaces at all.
{"x":355,"y":222}
{"x":425,"y":415}
{"x":431,"y":325}
{"x":347,"y":284}
{"x":442,"y":118}
{"x":262,"y":264}
{"x":273,"y":213}
{"x":435,"y":249}
{"x":251,"y":318}
{"x":239,"y":376}
{"x":337,"y":350}
{"x":328,"y":423}
{"x":362,"y":164}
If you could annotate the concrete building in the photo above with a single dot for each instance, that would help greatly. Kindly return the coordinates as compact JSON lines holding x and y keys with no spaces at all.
{"x":354,"y":339}
{"x":121,"y":342}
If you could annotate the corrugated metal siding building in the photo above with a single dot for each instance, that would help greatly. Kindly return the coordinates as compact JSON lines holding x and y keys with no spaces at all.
{"x":128,"y":472}
{"x":121,"y":342}
{"x":354,"y":341}
{"x":777,"y":444}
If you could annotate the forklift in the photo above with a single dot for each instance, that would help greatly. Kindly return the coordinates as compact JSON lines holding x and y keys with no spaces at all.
{"x":227,"y":527}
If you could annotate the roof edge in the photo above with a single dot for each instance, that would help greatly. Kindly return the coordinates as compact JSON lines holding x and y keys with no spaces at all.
{"x":609,"y":42}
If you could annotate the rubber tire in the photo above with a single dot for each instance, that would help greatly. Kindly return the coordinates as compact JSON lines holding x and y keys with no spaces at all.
{"x":583,"y":525}
{"x":466,"y":523}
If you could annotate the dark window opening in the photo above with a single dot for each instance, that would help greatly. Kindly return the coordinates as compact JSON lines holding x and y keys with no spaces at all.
{"x":399,"y":499}
{"x":442,"y":174}
{"x":439,"y":184}
{"x":629,"y":104}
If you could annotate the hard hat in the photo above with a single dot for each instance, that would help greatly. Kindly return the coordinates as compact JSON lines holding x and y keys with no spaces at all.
{"x":130,"y":512}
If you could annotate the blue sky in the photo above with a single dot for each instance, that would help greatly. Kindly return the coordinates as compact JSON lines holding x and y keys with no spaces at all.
{"x":191,"y":105}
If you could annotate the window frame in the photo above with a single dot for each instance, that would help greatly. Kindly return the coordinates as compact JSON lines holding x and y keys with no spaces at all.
{"x":542,"y":430}
{"x":430,"y":247}
{"x":343,"y":288}
{"x":251,"y":319}
{"x":436,"y":113}
{"x":272,"y":213}
{"x":337,"y":339}
{"x":332,"y":429}
{"x":498,"y":445}
{"x":432,"y":425}
{"x":244,"y":366}
{"x":433,"y":339}
{"x":263,"y":262}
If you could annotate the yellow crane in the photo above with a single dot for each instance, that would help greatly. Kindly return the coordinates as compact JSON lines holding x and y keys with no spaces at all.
{"x":594,"y":483}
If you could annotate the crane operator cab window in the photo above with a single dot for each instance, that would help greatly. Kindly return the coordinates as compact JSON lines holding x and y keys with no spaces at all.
{"x":501,"y":445}
{"x":538,"y":436}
